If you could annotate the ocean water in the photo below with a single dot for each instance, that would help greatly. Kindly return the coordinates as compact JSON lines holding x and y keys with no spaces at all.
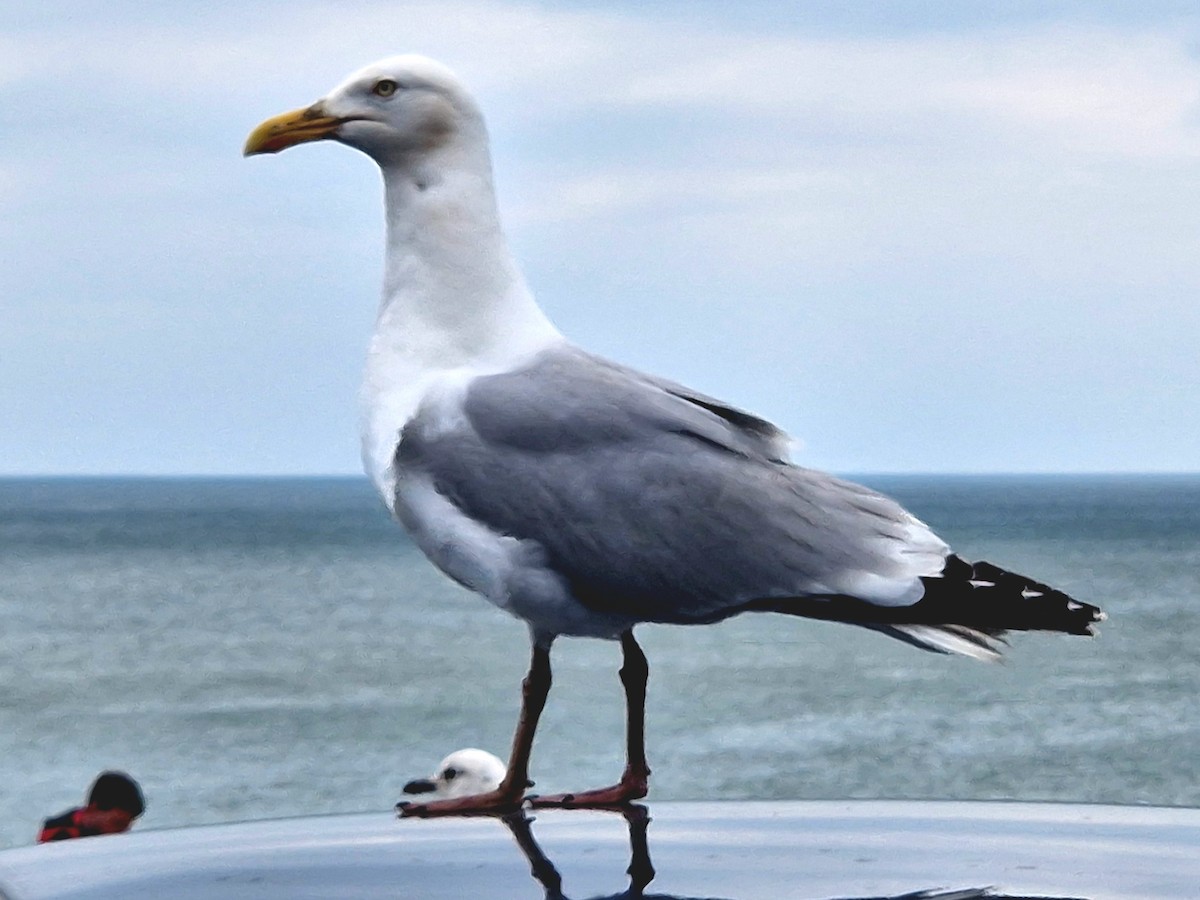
{"x":261,"y":648}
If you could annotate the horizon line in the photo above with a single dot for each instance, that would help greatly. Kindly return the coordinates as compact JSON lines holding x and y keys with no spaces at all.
{"x":347,"y":476}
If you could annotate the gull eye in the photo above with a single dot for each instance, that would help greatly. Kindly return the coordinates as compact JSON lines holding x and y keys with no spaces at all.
{"x":385,"y":87}
{"x":450,"y":774}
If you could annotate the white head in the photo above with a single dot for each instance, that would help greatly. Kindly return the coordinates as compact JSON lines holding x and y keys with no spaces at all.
{"x":461,"y":774}
{"x":453,"y":297}
{"x":396,"y":110}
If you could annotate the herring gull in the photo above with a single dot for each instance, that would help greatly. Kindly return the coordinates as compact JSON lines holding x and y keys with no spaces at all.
{"x":463,"y":773}
{"x":585,"y":497}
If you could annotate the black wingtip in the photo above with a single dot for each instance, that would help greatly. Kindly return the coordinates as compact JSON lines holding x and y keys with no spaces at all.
{"x":995,"y":598}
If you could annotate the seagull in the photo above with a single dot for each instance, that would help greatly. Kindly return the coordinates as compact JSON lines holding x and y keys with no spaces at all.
{"x":464,"y":773}
{"x":585,"y":497}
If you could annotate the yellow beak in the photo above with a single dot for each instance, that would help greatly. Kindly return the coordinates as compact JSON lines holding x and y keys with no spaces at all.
{"x":296,"y":127}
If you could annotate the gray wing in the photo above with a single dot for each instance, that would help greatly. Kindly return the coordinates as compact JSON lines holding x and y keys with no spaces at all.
{"x":662,"y":504}
{"x":772,"y":440}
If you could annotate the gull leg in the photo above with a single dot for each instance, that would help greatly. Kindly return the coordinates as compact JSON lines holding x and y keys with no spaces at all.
{"x":635,"y":781}
{"x":509,"y":795}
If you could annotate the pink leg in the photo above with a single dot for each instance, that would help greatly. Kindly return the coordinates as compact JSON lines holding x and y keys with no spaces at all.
{"x":635,"y":781}
{"x":509,"y":795}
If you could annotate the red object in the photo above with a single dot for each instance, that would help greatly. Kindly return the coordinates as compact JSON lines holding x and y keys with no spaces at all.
{"x":84,"y":821}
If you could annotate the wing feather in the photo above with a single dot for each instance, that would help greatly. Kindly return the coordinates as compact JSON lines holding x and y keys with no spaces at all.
{"x":658,"y":504}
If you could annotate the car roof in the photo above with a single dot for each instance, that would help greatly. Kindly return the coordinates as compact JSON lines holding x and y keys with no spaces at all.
{"x":811,"y":849}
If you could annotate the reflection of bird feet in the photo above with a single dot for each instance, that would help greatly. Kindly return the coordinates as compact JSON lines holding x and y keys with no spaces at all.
{"x":493,"y":803}
{"x":521,"y":827}
{"x":632,"y":786}
{"x":640,"y":871}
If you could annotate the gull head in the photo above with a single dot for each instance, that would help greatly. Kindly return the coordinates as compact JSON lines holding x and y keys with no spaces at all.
{"x":461,"y":774}
{"x":395,"y":110}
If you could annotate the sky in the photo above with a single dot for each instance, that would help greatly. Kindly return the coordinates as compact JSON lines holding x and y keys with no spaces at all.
{"x":920,"y":236}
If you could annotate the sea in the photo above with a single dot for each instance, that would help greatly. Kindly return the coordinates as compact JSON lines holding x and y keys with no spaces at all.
{"x":257,"y":648}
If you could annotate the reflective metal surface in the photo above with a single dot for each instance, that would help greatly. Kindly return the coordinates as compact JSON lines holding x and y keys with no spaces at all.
{"x":809,"y":850}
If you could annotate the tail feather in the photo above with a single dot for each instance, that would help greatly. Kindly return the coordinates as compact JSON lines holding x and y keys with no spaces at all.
{"x":966,"y":609}
{"x":956,"y":639}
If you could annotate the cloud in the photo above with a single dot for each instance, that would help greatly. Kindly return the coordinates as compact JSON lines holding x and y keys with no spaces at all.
{"x":1057,"y":149}
{"x":1100,"y":91}
{"x":911,"y":209}
{"x":1092,"y":90}
{"x":1057,"y":75}
{"x":261,"y":48}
